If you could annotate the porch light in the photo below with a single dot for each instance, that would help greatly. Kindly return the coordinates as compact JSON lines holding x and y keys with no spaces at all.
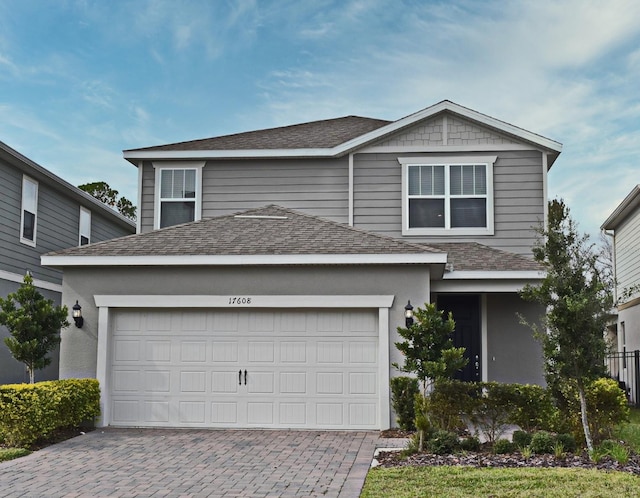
{"x":408,"y":314}
{"x":77,"y":314}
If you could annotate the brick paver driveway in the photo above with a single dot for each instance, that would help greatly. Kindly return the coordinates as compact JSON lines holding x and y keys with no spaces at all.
{"x":182,"y":463}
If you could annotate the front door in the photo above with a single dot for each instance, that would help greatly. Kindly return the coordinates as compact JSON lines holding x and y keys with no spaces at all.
{"x":466,"y":313}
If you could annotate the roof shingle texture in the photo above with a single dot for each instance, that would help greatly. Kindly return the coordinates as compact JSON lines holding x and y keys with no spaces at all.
{"x":471,"y":256}
{"x":271,"y":230}
{"x":316,"y":134}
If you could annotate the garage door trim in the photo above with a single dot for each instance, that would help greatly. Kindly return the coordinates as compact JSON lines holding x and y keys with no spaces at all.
{"x":107,"y":302}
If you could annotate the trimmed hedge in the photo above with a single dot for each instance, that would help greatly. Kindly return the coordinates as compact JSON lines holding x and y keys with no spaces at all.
{"x":29,"y":412}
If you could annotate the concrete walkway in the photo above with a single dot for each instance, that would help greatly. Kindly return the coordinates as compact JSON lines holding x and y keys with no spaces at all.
{"x":194,"y":463}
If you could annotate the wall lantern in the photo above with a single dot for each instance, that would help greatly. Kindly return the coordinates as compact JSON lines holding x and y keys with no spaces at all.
{"x":77,"y":314}
{"x":408,"y":314}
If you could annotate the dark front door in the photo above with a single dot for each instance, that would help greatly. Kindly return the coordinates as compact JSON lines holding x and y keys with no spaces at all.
{"x":466,"y":313}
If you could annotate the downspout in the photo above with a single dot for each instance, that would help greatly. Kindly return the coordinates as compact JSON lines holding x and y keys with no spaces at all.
{"x":545,"y":193}
{"x":350,"y":201}
{"x":139,"y":210}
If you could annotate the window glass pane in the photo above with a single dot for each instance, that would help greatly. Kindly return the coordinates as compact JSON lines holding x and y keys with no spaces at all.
{"x":166,"y":183}
{"x":481,"y":179}
{"x":189,"y":183}
{"x":414,"y":180}
{"x":29,"y":195}
{"x":438,"y":180}
{"x":455,"y":179}
{"x":426,"y":180}
{"x":174,"y":213}
{"x":468,"y":213}
{"x":426,"y":213}
{"x":83,"y":240}
{"x":468,"y":180}
{"x":178,"y":184}
{"x":85,"y":225}
{"x":29,"y":225}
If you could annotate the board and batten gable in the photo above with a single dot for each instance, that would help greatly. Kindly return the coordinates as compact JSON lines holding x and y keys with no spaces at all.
{"x":314,"y":186}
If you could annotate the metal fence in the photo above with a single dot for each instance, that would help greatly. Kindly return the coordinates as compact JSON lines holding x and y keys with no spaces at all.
{"x":625,"y":368}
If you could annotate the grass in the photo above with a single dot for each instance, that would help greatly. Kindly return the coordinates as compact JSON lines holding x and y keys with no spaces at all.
{"x":630,"y":431}
{"x":11,"y":453}
{"x":459,"y":482}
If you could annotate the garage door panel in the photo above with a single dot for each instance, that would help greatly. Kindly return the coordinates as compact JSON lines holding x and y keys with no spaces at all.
{"x":305,"y":369}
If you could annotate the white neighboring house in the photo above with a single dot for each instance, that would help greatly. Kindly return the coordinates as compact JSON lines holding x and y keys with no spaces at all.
{"x":623,"y":225}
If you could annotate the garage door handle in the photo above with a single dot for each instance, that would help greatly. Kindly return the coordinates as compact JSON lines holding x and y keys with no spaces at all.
{"x":240,"y":378}
{"x":245,"y":377}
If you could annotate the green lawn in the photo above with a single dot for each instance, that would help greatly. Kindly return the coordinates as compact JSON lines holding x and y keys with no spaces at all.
{"x":458,"y":482}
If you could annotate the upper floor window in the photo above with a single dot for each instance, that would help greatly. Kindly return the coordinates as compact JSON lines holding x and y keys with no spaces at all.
{"x":28,"y":221}
{"x":178,"y":194}
{"x":85,"y":227}
{"x":447,"y":195}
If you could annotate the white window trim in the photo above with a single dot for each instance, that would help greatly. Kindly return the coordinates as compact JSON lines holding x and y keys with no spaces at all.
{"x":197,"y":166}
{"x":28,"y":242}
{"x":86,"y":212}
{"x":447,"y":160}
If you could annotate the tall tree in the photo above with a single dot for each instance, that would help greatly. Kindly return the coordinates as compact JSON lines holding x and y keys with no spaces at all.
{"x":577,"y":298}
{"x":104,"y":193}
{"x":34,"y":323}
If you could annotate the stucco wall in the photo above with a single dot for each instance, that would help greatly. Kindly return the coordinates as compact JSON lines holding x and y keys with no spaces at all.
{"x":79,"y":346}
{"x":514,"y":355}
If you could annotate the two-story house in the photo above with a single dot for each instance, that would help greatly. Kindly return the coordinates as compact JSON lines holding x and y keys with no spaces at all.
{"x":272,"y":268}
{"x":623,"y":225}
{"x":40,"y":213}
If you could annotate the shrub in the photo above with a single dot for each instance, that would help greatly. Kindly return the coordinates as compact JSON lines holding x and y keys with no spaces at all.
{"x":29,"y":412}
{"x":470,"y":443}
{"x":492,"y":409}
{"x":568,"y":442}
{"x":606,"y":408}
{"x":403,"y":393}
{"x":522,"y":439}
{"x":543,"y":442}
{"x":443,"y":442}
{"x":532,"y":407}
{"x":449,"y":400}
{"x":502,"y":446}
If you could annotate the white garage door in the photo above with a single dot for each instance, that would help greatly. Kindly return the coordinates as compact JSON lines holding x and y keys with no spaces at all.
{"x":229,"y":368}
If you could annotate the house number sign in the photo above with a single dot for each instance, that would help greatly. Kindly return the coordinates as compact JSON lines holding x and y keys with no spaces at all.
{"x":239,"y":300}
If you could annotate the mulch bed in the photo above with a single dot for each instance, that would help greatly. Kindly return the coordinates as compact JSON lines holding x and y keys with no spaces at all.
{"x":486,"y":458}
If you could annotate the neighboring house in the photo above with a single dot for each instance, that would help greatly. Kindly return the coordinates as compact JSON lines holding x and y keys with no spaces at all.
{"x":273,"y":267}
{"x":40,"y":213}
{"x":624,"y":226}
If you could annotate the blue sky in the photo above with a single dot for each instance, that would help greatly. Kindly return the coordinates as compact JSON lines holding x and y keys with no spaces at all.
{"x":82,"y":80}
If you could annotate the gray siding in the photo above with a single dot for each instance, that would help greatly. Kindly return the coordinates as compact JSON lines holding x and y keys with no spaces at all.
{"x":513,"y":354}
{"x":313,"y":186}
{"x":627,"y":254}
{"x":12,"y":371}
{"x":518,"y":199}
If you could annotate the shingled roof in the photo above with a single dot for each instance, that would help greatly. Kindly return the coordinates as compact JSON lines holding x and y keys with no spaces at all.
{"x":316,"y":134}
{"x":270,"y":230}
{"x":471,"y":256}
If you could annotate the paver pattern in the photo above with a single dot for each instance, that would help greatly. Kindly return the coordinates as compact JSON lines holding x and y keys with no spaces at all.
{"x":194,"y":463}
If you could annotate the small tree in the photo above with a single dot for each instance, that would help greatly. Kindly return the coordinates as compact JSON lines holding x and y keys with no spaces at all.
{"x":577,"y":301}
{"x":105,"y":194}
{"x":34,"y":324}
{"x":429,"y":353}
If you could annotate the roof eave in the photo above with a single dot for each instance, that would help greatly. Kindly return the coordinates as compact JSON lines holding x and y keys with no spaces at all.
{"x":61,"y":261}
{"x":630,"y":202}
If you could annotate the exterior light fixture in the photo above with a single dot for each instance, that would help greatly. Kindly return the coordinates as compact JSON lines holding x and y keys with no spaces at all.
{"x":408,"y":314}
{"x":77,"y":314}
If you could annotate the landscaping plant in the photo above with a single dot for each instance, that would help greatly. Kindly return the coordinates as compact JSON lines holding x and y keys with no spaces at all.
{"x":577,"y":299}
{"x":403,"y":394}
{"x":429,"y":353}
{"x":34,"y":323}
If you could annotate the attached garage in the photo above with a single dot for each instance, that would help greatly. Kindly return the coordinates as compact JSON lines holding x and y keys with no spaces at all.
{"x":245,"y":368}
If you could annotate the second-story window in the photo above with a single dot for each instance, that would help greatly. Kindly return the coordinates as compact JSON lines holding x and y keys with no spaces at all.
{"x":85,"y":227}
{"x":448,"y":196}
{"x":28,"y":224}
{"x":177,"y":196}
